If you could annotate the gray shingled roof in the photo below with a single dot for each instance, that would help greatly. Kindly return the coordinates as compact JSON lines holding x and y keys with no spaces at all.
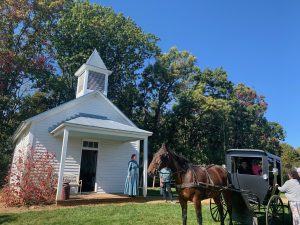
{"x":90,"y":120}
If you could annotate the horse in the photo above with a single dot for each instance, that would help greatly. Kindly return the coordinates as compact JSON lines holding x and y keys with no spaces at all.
{"x":187,"y":179}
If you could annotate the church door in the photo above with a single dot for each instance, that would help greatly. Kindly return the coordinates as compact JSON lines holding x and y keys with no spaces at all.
{"x":88,"y":170}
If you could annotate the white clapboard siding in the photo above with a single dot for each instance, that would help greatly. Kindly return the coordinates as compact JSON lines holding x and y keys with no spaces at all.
{"x":22,"y":146}
{"x":113,"y":157}
{"x":21,"y":150}
{"x":94,"y":105}
{"x":23,"y":143}
{"x":72,"y":164}
{"x":112,"y":165}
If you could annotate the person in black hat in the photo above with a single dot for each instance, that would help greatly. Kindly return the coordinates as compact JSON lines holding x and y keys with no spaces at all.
{"x":244,"y":168}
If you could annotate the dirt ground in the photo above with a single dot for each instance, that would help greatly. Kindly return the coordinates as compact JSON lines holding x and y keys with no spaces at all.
{"x":6,"y":210}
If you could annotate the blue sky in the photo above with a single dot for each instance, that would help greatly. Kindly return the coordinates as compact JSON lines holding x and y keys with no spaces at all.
{"x":257,"y":42}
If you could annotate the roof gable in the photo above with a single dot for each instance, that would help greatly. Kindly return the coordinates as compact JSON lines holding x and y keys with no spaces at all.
{"x":67,"y":105}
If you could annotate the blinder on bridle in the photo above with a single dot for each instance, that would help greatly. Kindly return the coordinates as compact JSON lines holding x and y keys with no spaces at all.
{"x":163,"y":160}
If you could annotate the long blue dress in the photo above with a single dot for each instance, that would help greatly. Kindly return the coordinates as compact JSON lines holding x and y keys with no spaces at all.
{"x":131,"y":183}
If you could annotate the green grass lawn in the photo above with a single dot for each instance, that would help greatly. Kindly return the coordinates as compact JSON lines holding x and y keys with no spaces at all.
{"x":116,"y":214}
{"x":144,"y":214}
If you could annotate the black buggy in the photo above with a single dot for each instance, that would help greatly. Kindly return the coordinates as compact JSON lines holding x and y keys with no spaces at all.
{"x":254,"y":175}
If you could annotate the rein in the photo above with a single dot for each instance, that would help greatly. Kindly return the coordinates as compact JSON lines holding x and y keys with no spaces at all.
{"x":195,"y":183}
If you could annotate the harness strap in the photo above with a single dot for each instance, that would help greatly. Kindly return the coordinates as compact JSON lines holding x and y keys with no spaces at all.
{"x":196,"y":183}
{"x":209,"y":178}
{"x":200,"y":185}
{"x":195,"y":177}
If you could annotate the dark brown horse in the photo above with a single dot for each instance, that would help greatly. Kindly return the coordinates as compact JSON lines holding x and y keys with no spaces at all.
{"x":187,"y":179}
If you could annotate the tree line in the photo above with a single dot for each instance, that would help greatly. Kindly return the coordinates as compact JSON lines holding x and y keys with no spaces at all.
{"x":199,"y":112}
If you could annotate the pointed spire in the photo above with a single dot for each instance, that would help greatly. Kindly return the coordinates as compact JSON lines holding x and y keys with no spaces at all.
{"x":95,"y":60}
{"x":92,"y":76}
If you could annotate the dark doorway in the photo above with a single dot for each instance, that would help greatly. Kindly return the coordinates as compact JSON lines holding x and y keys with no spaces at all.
{"x":88,"y":170}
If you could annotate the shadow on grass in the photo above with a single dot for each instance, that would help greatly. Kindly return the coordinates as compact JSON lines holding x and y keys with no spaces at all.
{"x":261,"y":218}
{"x":156,"y":191}
{"x":287,"y":219}
{"x":6,"y":218}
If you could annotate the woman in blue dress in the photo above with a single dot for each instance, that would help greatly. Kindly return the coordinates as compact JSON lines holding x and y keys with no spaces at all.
{"x":131,"y":184}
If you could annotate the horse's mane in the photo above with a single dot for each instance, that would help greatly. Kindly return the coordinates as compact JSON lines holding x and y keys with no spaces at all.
{"x":184,"y":162}
{"x":181,"y":160}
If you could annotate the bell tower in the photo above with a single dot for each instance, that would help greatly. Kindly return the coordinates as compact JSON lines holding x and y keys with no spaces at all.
{"x":92,"y":76}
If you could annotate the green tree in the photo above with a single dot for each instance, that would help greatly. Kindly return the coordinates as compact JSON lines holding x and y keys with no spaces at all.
{"x":25,"y":27}
{"x":161,"y":82}
{"x":215,"y":83}
{"x":200,"y":117}
{"x":122,"y":44}
{"x":199,"y":127}
{"x":290,"y":158}
{"x":248,"y":126}
{"x":213,"y":116}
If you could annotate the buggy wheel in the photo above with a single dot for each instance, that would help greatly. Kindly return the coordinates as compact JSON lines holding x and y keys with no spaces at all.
{"x":214,"y":209}
{"x":275,"y":211}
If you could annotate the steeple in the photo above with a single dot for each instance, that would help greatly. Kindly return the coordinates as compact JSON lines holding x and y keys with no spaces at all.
{"x":92,"y":76}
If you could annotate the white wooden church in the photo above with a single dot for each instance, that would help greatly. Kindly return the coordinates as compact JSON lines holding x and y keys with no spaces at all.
{"x":91,"y":138}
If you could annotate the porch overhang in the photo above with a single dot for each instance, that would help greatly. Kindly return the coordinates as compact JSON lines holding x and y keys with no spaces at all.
{"x":100,"y":130}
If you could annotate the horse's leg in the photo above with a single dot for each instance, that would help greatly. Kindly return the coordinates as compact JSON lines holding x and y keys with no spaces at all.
{"x":183,"y":204}
{"x":217,"y":200}
{"x":228,"y":201}
{"x":198,"y":209}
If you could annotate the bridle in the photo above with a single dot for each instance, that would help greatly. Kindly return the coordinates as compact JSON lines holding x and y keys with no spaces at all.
{"x":166,"y":157}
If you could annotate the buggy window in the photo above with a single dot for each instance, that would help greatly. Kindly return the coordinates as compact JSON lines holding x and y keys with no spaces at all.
{"x":278,"y":166}
{"x":271,"y":175}
{"x":246,"y":165}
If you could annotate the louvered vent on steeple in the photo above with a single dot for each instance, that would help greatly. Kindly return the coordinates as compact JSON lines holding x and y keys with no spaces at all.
{"x":96,"y":81}
{"x":92,"y":76}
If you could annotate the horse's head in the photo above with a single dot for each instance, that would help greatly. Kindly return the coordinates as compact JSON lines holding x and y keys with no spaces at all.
{"x":159,"y":161}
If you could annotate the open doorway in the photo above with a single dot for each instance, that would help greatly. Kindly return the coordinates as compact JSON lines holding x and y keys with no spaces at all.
{"x":88,"y":170}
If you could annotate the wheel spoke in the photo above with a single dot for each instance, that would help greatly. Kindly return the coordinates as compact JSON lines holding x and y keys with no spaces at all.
{"x":275,"y":211}
{"x":214,"y":207}
{"x":214,"y":210}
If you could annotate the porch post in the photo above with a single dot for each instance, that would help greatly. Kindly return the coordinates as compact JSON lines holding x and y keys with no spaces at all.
{"x":62,"y":164}
{"x":145,"y":166}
